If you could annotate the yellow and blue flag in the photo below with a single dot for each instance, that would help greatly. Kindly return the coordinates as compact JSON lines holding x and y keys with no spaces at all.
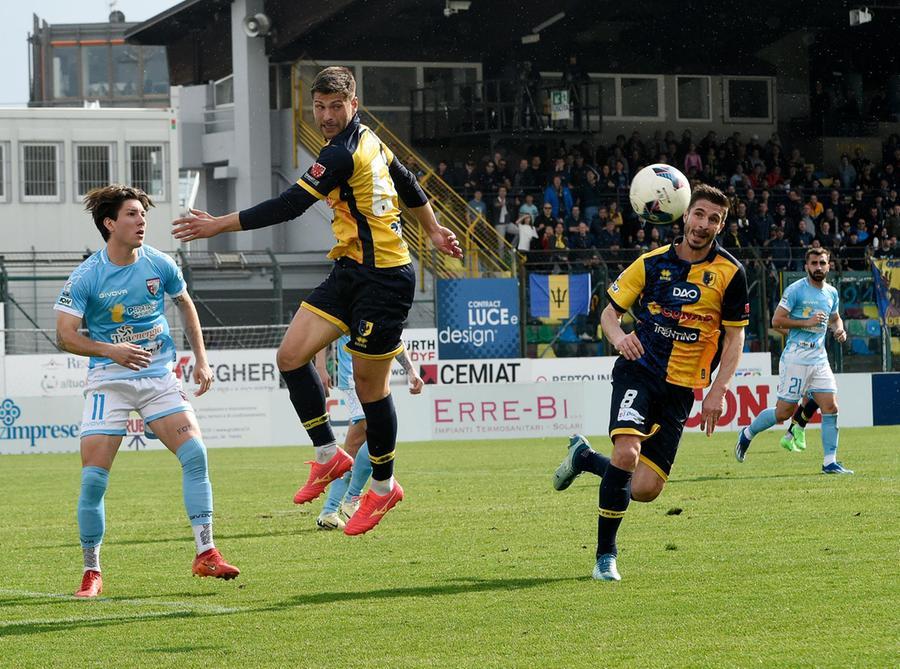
{"x":559,"y":296}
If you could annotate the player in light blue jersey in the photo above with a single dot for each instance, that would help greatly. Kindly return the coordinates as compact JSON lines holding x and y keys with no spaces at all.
{"x":119,"y":293}
{"x":807,"y":309}
{"x":344,"y":492}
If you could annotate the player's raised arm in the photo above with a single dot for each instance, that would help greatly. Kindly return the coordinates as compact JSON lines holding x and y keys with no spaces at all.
{"x":69,"y":339}
{"x":203,"y":375}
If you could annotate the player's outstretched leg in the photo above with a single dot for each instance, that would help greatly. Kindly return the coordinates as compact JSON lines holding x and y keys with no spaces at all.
{"x":91,"y":527}
{"x":763,"y":421}
{"x":384,"y":493}
{"x":579,"y":458}
{"x":329,"y":518}
{"x":197,"y":492}
{"x":359,"y":476}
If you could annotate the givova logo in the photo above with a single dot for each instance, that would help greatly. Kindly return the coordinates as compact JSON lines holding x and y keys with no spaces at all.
{"x":11,"y":429}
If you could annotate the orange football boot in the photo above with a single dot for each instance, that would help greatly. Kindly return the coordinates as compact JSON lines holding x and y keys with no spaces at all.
{"x":91,"y":584}
{"x":211,"y":563}
{"x":320,"y":475}
{"x":371,"y":510}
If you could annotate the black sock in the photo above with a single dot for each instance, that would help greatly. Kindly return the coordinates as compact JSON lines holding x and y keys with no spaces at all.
{"x":591,"y":461}
{"x":308,"y":398}
{"x":615,"y":493}
{"x":803,"y":414}
{"x":381,"y":434}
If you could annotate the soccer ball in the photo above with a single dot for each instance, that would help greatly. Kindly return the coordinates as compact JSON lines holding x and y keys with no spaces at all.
{"x":660,"y":194}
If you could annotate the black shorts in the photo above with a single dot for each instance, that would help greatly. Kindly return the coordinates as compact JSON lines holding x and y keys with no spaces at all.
{"x":646,"y":405}
{"x":370,"y":304}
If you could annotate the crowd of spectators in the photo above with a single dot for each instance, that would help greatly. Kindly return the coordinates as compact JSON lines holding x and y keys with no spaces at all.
{"x":568,"y":206}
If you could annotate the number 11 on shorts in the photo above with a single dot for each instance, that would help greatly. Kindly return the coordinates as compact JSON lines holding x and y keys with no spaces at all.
{"x":98,"y":406}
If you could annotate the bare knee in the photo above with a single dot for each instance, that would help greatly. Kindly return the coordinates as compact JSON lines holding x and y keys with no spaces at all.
{"x":626,"y":451}
{"x":783,"y":413}
{"x":646,"y":485}
{"x":286,"y":359}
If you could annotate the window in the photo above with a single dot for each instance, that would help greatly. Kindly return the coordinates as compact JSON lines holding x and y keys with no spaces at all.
{"x":694,"y":102}
{"x":4,"y":172}
{"x":40,"y":172}
{"x":65,"y":72}
{"x":93,"y":167}
{"x":125,"y":70}
{"x":388,"y":86}
{"x":146,"y":169}
{"x":223,"y":91}
{"x":156,"y":70}
{"x":605,"y":88}
{"x":640,"y":97}
{"x":748,"y":100}
{"x":95,"y":71}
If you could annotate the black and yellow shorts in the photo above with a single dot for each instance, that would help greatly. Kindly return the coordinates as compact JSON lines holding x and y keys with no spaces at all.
{"x":648,"y":406}
{"x":368,"y":303}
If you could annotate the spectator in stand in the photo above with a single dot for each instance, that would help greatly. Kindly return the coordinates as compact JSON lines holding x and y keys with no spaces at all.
{"x":892,"y":222}
{"x":545,"y":218}
{"x":469,"y":179}
{"x":803,"y":238}
{"x":529,"y":207}
{"x":607,"y":182}
{"x":609,"y":236}
{"x":889,"y":176}
{"x":562,"y":171}
{"x":591,"y":196}
{"x":846,"y":172}
{"x":826,"y":237}
{"x":807,"y":218}
{"x":692,"y":159}
{"x":853,"y":253}
{"x":862,"y":233}
{"x":521,"y":179}
{"x":731,"y":238}
{"x":559,"y":196}
{"x":447,"y":174}
{"x":739,"y":180}
{"x":599,"y":222}
{"x":502,"y":213}
{"x":559,"y":245}
{"x":538,"y":179}
{"x":620,"y":176}
{"x":580,"y":171}
{"x":781,"y":218}
{"x":477,"y":207}
{"x":488,"y":181}
{"x":742,"y":221}
{"x":757,"y":177}
{"x":618,"y":156}
{"x":761,"y":223}
{"x":615,"y":215}
{"x":656,"y":237}
{"x":888,"y":249}
{"x":830,"y":218}
{"x":779,"y":250}
{"x":834,"y":203}
{"x":571,"y":222}
{"x":582,"y":240}
{"x":503,"y":174}
{"x":816,"y":208}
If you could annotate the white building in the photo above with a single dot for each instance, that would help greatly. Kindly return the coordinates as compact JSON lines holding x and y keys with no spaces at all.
{"x":49,"y":159}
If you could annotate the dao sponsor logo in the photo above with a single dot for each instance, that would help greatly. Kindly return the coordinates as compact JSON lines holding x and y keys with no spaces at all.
{"x":13,"y":430}
{"x":113,"y":293}
{"x":687,"y":335}
{"x":685,"y":293}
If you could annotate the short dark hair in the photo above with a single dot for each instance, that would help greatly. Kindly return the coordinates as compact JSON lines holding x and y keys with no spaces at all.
{"x":710,"y":194}
{"x":106,"y":202}
{"x":815,"y":252}
{"x":335,"y":79}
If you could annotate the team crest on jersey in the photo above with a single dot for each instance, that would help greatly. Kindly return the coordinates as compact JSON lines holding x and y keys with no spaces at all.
{"x":709,"y":278}
{"x":317,"y":170}
{"x":153,"y":286}
{"x":665,"y":275}
{"x":365,"y":328}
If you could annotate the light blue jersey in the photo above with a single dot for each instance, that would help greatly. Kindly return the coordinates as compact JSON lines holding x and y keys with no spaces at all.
{"x":125,"y":304}
{"x":345,"y":365}
{"x":806,"y":346}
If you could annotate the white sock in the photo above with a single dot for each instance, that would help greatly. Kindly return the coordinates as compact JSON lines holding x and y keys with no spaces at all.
{"x":91,"y":558}
{"x":326,"y":452}
{"x":830,"y":459}
{"x":382,"y":488}
{"x":203,"y":536}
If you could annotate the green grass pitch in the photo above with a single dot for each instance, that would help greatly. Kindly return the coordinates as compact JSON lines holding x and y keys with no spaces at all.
{"x":768,"y":564}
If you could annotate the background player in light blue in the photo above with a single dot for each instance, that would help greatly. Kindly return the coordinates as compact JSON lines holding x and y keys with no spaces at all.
{"x":119,"y":292}
{"x":344,"y":492}
{"x":807,"y":308}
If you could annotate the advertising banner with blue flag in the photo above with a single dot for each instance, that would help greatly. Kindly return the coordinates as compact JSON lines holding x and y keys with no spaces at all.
{"x":478,"y":318}
{"x":886,"y":272}
{"x":559,"y":296}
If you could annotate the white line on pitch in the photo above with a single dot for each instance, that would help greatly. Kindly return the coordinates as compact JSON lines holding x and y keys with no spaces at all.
{"x":87,"y":619}
{"x":185,"y":606}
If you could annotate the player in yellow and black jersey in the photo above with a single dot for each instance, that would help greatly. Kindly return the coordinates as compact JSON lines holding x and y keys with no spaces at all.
{"x":690,"y":302}
{"x":367,"y":295}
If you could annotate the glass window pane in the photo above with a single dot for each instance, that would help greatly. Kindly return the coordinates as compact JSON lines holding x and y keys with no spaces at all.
{"x":156,"y":71}
{"x":748,"y":98}
{"x":93,"y":167}
{"x":40,"y":170}
{"x":447,"y":83}
{"x":65,"y":72}
{"x":95,"y":71}
{"x":640,"y":97}
{"x":224,"y":91}
{"x":693,"y":98}
{"x":603,"y":88}
{"x":147,"y":168}
{"x":125,"y":70}
{"x":388,"y":86}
